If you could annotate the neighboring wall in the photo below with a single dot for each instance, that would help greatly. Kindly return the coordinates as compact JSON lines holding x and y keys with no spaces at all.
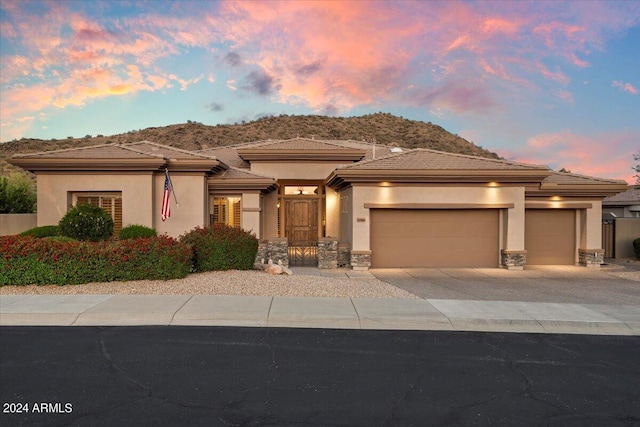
{"x":627,"y":230}
{"x":16,"y":223}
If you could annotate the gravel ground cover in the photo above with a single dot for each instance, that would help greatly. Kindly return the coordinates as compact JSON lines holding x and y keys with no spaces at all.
{"x":231,"y":283}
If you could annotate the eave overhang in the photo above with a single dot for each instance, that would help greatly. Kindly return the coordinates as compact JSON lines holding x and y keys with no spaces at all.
{"x":342,"y":178}
{"x":195,"y":165}
{"x":52,"y":164}
{"x":337,"y":155}
{"x":577,"y":190}
{"x":265,"y":185}
{"x":33,"y":164}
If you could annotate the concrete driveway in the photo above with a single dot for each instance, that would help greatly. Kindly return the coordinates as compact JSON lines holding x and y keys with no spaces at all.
{"x":552,"y":284}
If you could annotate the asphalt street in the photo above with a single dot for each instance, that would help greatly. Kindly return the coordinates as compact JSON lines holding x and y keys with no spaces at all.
{"x":224,"y":376}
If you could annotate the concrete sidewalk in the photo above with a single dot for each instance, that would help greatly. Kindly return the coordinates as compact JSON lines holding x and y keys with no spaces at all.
{"x":305,"y":312}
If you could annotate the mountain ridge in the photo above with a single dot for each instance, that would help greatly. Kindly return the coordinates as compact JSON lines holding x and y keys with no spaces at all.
{"x":383,"y":128}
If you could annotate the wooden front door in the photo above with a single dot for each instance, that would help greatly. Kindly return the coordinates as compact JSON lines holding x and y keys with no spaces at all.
{"x":301,"y":220}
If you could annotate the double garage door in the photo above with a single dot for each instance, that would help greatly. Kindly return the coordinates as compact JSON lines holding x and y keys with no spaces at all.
{"x":466,"y":237}
{"x":434,"y":238}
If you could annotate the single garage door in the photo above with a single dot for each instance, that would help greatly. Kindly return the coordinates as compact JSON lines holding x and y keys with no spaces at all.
{"x":434,"y":238}
{"x":550,"y":236}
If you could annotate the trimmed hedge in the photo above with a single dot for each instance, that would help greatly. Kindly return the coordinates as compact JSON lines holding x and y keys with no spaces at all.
{"x":221,"y":248}
{"x":26,"y":260}
{"x":86,"y":222}
{"x":43,"y":231}
{"x":636,"y":247}
{"x":136,"y":231}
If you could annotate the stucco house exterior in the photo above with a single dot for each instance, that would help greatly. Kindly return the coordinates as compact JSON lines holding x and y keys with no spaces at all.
{"x":341,"y":203}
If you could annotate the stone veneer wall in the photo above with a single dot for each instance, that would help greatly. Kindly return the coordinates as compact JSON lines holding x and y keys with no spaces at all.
{"x":327,"y":253}
{"x":591,"y":257}
{"x":360,"y":260}
{"x":275,"y":249}
{"x":513,"y":260}
{"x":344,"y":255}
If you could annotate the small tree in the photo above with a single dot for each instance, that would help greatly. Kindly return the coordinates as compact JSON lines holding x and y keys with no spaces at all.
{"x":86,"y":222}
{"x":636,"y":167}
{"x":17,"y":194}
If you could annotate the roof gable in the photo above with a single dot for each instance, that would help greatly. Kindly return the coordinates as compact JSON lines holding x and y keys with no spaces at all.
{"x":299,"y":149}
{"x":139,"y":156}
{"x":422,"y":158}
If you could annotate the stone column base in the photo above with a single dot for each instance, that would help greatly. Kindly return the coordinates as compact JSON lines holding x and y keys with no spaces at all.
{"x":513,"y":260}
{"x":344,"y":255}
{"x":591,"y":258}
{"x":327,"y":252}
{"x":360,"y":260}
{"x":276,"y":249}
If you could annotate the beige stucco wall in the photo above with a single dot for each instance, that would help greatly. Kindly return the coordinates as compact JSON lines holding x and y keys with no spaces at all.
{"x":590,"y":226}
{"x":513,"y":238}
{"x":332,"y":200}
{"x":137,"y":195}
{"x":294,"y":170}
{"x":270,"y":213}
{"x":192,"y":194}
{"x":11,"y":224}
{"x":345,"y":209}
{"x":251,"y":212}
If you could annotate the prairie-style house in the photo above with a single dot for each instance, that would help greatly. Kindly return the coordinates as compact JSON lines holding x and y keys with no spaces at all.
{"x":340,"y":203}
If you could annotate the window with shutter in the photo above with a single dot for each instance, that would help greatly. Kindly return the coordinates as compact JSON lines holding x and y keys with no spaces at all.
{"x":111,"y":203}
{"x":227,"y":211}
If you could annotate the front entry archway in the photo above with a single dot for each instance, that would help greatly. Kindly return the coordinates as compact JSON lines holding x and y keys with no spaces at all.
{"x":301,"y":217}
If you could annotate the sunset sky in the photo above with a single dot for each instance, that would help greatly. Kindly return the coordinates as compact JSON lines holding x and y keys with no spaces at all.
{"x":555,"y":83}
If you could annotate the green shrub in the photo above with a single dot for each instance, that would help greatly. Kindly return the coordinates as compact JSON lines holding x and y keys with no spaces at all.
{"x":136,"y":231}
{"x":86,"y":222}
{"x":636,"y":247}
{"x":43,"y":231}
{"x":60,"y":239}
{"x":26,"y":260}
{"x":17,"y":194}
{"x":221,"y":248}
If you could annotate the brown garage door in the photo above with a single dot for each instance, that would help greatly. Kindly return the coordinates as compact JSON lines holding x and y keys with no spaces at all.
{"x":550,"y":236}
{"x":434,"y":238}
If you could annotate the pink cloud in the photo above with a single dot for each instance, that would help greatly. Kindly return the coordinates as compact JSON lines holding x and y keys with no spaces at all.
{"x":608,"y":155}
{"x":627,"y":87}
{"x":321,"y":53}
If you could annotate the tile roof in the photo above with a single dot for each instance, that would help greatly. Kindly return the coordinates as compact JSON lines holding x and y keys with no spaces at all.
{"x":421,"y":158}
{"x":631,"y":196}
{"x":105,"y":151}
{"x":575,"y":179}
{"x":236,"y":173}
{"x":133,"y":150}
{"x":227,"y":155}
{"x":166,"y":151}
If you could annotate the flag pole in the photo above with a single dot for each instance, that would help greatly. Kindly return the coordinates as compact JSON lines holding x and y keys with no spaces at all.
{"x":166,"y":171}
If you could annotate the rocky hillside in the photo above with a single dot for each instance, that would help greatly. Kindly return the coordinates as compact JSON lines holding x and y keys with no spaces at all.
{"x":382,"y":127}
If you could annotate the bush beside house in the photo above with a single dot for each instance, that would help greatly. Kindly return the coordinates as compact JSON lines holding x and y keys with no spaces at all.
{"x":636,"y":247}
{"x":43,"y":231}
{"x":136,"y":231}
{"x":27,"y":260}
{"x":221,"y":248}
{"x":86,"y":222}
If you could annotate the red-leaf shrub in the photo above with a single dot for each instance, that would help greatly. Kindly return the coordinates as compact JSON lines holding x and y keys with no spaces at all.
{"x":26,"y":260}
{"x":221,"y":248}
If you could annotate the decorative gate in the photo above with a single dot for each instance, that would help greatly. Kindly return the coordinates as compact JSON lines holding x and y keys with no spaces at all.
{"x":608,"y":239}
{"x":303,"y":254}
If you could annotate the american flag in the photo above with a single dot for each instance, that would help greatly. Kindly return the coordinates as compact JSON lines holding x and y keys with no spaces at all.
{"x":166,"y":210}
